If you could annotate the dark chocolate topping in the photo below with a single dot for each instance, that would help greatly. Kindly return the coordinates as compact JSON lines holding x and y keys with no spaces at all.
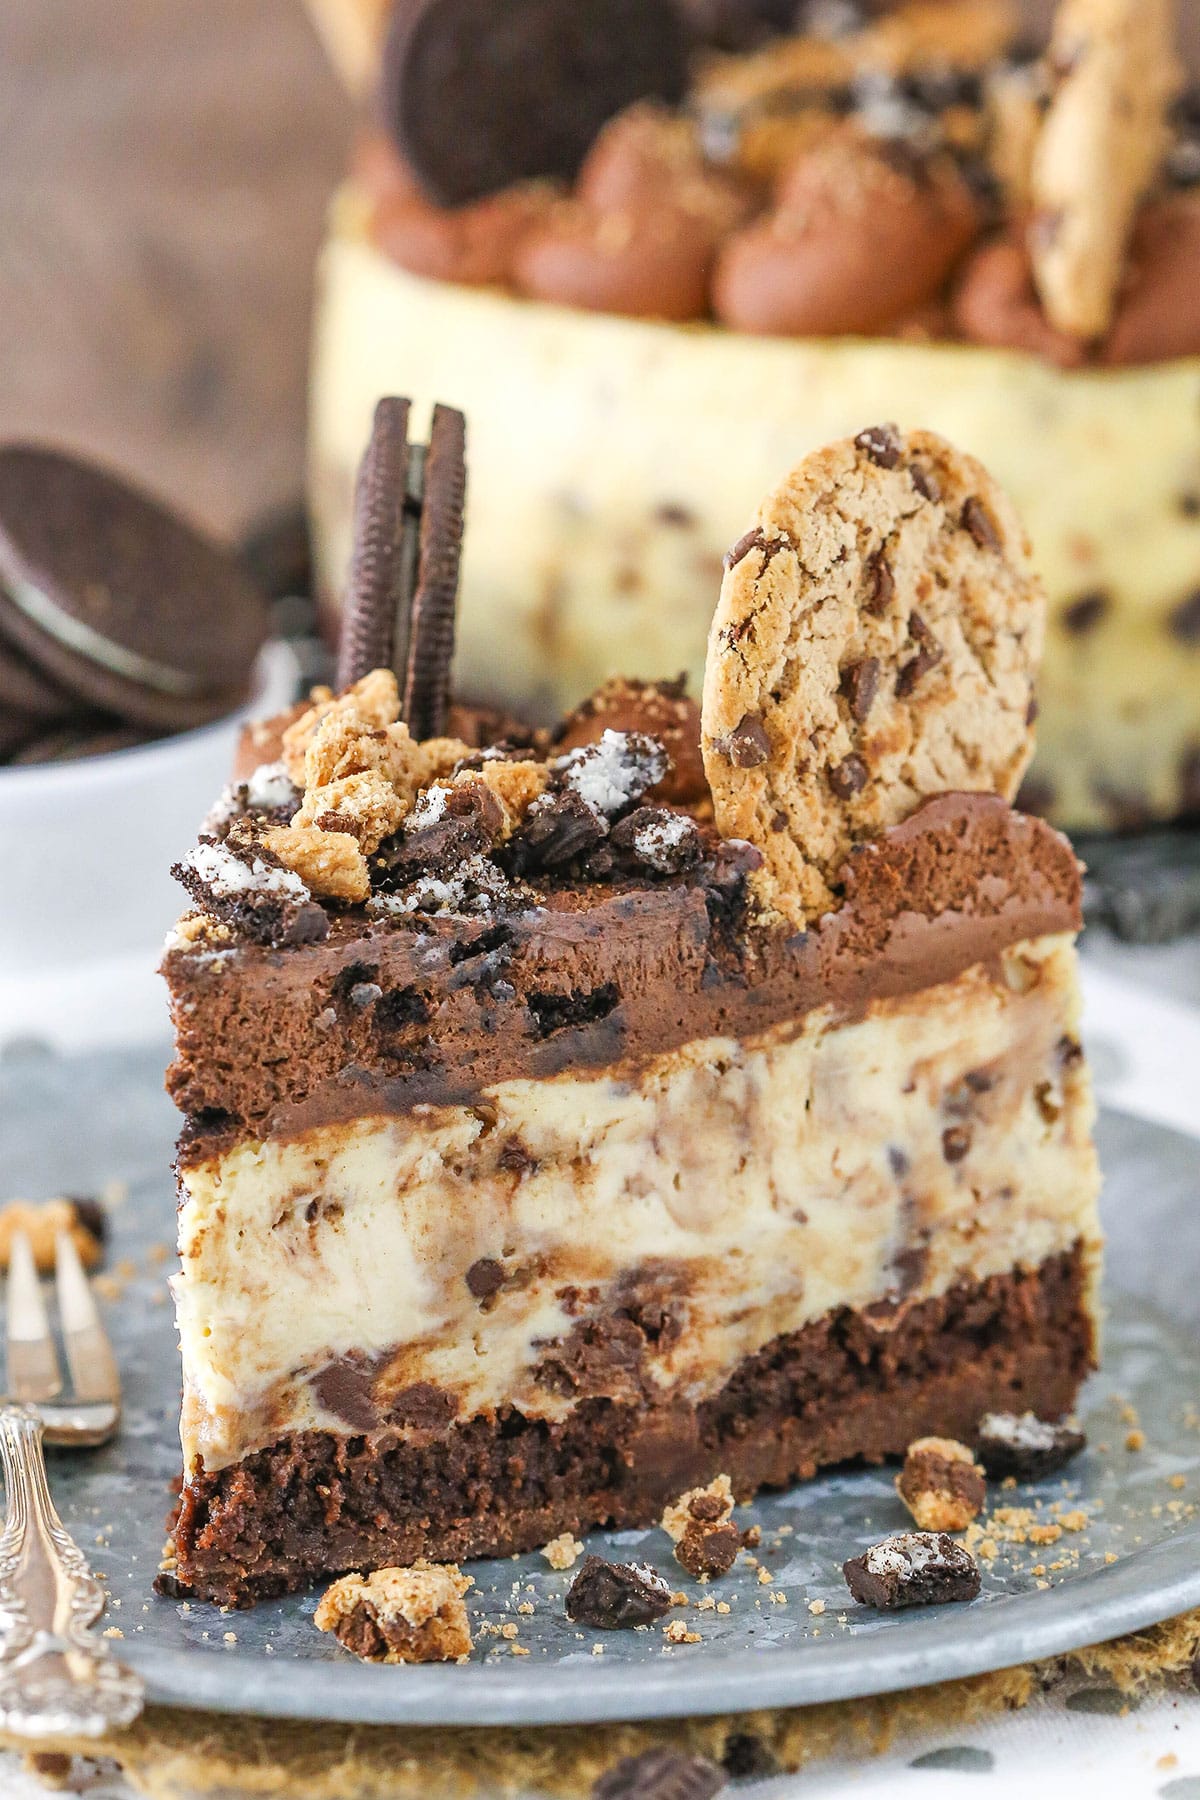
{"x":603,"y":977}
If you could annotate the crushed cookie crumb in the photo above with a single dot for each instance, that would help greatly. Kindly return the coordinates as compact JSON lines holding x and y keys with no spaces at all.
{"x":562,"y":1552}
{"x":400,"y":1614}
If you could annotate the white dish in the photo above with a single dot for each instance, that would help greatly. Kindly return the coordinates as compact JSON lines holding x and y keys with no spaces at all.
{"x":88,"y":845}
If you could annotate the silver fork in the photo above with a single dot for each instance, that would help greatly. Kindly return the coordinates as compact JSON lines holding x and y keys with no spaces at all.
{"x":57,"y":1677}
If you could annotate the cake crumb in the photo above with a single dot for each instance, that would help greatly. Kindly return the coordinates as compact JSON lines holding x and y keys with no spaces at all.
{"x":518,"y":1650}
{"x":677,"y":1633}
{"x":562,"y":1552}
{"x":764,"y":1577}
{"x":400,"y":1614}
{"x":1176,"y":1481}
{"x":722,"y":1606}
{"x":113,"y":1631}
{"x":525,"y":1607}
{"x":1136,"y":1440}
{"x":816,"y":1608}
{"x":509,"y":1630}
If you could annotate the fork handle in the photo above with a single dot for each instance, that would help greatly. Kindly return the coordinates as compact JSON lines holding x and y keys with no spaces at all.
{"x":57,"y":1677}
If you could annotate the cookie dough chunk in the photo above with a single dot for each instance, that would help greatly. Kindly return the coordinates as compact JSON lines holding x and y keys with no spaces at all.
{"x":411,"y":1615}
{"x":1100,"y":147}
{"x":876,"y":642}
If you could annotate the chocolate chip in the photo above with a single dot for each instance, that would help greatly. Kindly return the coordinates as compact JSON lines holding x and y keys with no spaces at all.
{"x":660,"y":1775}
{"x":881,"y":585}
{"x":925,"y":481}
{"x":485,"y":1278}
{"x":1189,"y":506}
{"x":1032,"y":710}
{"x":1024,"y":1446}
{"x":709,"y":1551}
{"x":848,"y":777}
{"x":1044,"y":228}
{"x":779,"y":822}
{"x":898,"y":1161}
{"x":736,"y":552}
{"x":929,"y":654}
{"x":979,"y":522}
{"x":882,"y":444}
{"x":1085,"y":613}
{"x":754,"y":540}
{"x":914,"y":1568}
{"x":860,"y":684}
{"x":672,"y":512}
{"x":1185,"y":620}
{"x":956,"y":1141}
{"x":616,"y":1596}
{"x":747,"y":745}
{"x":979,"y":1081}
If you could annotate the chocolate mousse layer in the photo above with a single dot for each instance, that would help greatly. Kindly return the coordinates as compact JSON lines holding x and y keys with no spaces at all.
{"x":859,"y":1384}
{"x":387,"y":1014}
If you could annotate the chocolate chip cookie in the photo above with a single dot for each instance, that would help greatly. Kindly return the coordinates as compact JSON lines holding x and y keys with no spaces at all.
{"x":876,"y":642}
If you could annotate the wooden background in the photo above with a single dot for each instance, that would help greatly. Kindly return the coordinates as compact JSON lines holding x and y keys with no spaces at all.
{"x":164,"y":168}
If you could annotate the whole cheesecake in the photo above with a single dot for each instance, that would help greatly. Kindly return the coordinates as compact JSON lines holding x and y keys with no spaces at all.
{"x":615,"y":454}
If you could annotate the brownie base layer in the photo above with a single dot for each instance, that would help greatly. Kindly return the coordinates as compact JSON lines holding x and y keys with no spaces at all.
{"x":854,"y":1385}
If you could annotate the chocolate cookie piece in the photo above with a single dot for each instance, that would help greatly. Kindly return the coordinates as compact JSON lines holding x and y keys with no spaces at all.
{"x":616,"y":1596}
{"x":660,"y":1775}
{"x":116,"y":599}
{"x":403,"y":593}
{"x":425,"y":690}
{"x":1025,"y":1447}
{"x":914,"y":1568}
{"x":386,"y":504}
{"x":480,"y":94}
{"x":883,"y":613}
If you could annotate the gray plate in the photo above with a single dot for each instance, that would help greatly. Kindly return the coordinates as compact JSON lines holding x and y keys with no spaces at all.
{"x":72,"y":1124}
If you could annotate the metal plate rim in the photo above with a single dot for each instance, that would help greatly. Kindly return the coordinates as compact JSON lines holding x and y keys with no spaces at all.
{"x":1051,"y":1624}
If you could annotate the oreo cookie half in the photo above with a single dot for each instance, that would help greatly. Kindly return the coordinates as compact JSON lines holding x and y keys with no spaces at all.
{"x":479,"y":94}
{"x":24,"y":689}
{"x":115,"y":599}
{"x":408,"y":526}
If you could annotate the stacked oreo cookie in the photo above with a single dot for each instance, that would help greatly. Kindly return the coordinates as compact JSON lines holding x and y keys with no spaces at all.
{"x":119,"y":622}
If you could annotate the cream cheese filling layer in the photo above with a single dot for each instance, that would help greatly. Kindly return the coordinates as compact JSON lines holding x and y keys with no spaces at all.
{"x":749,"y":1186}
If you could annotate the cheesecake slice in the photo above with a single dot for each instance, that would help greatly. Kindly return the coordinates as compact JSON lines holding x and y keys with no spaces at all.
{"x":561,"y":1170}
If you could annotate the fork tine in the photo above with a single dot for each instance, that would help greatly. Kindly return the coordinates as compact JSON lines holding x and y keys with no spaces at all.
{"x":33,"y":1373}
{"x":89,"y":1353}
